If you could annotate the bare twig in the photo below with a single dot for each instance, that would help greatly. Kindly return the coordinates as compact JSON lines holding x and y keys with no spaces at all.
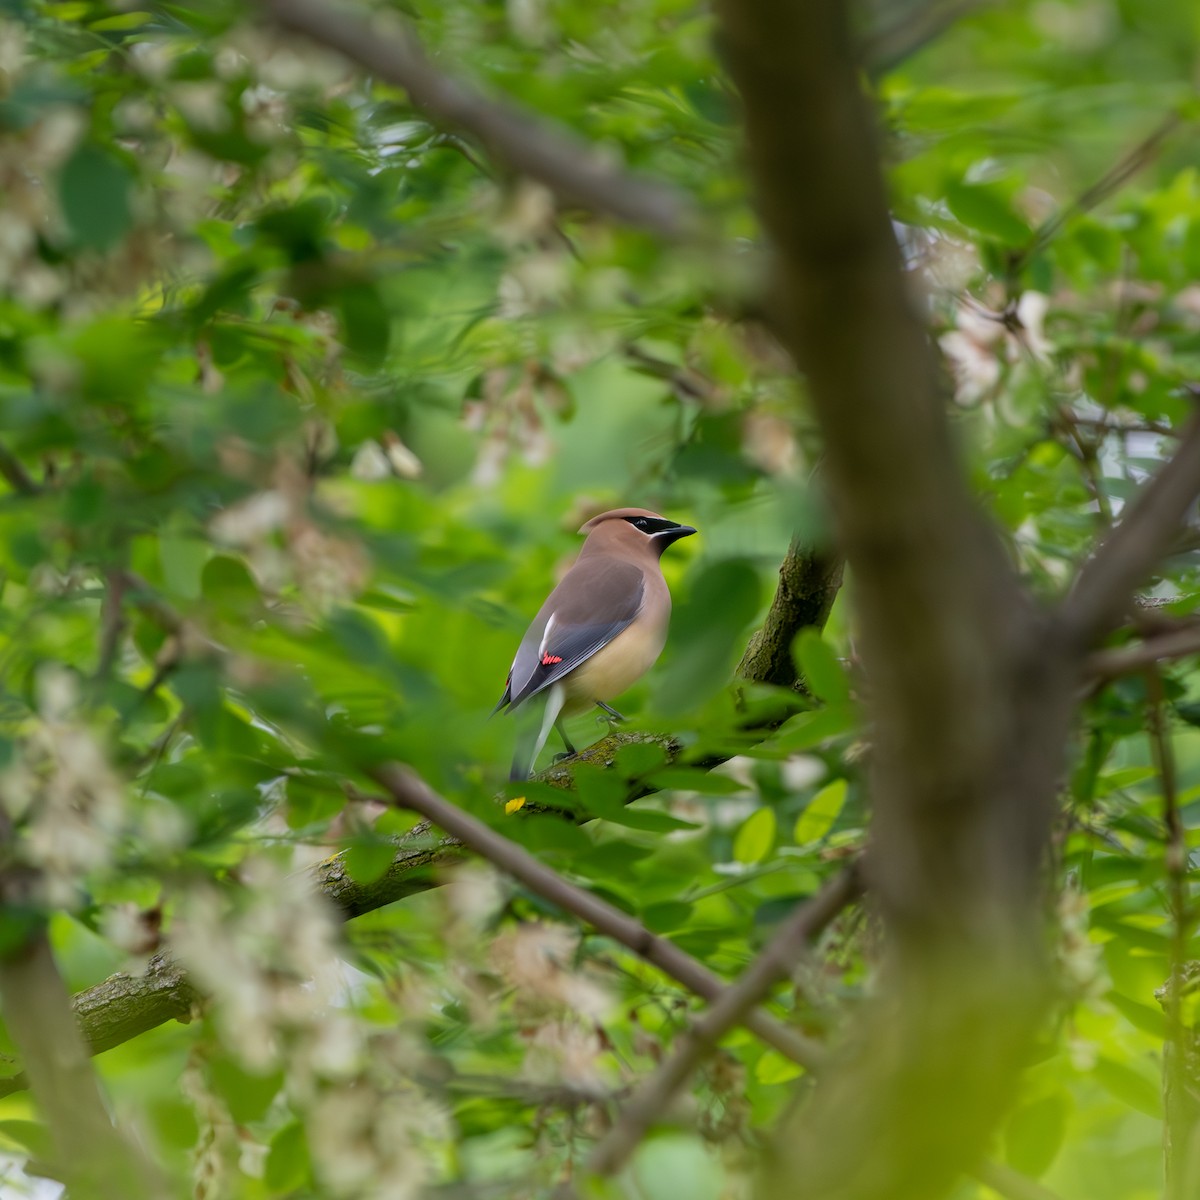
{"x":1112,"y":424}
{"x":409,"y":791}
{"x":1137,"y":159}
{"x":685,"y":381}
{"x":112,"y":622}
{"x":572,"y":170}
{"x":145,"y":598}
{"x":1086,"y":450}
{"x":652,"y":1099}
{"x":1145,"y":534}
{"x":1104,"y":665}
{"x":13,"y":470}
{"x":561,"y":1094}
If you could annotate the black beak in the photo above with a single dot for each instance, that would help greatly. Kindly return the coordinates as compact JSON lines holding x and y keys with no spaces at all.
{"x":664,"y":537}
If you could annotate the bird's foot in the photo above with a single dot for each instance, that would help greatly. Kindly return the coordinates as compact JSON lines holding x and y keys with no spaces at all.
{"x":613,"y":715}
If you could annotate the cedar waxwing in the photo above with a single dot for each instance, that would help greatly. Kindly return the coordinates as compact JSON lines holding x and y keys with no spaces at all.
{"x":601,"y":629}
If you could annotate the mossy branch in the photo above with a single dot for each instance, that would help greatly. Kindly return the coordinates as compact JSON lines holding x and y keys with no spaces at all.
{"x":809,"y":580}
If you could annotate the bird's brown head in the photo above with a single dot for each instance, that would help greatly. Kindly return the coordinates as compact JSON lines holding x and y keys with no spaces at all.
{"x":634,"y":530}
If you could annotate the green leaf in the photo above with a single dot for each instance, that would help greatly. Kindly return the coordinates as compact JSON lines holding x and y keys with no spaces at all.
{"x":311,"y":803}
{"x":93,"y":189}
{"x":986,"y":208}
{"x":1131,"y":1087}
{"x":675,"y":1165}
{"x":359,"y":637}
{"x":602,"y":794}
{"x":822,"y":673}
{"x":287,"y":1167}
{"x":366,"y":323}
{"x":546,"y":834}
{"x":773,"y":1068}
{"x":227,"y":584}
{"x":806,"y":730}
{"x":647,"y":819}
{"x":183,"y":560}
{"x":639,"y":758}
{"x":666,"y":917}
{"x":822,"y":811}
{"x":706,"y":634}
{"x":366,"y":861}
{"x":770,"y":912}
{"x":753,"y":841}
{"x":18,"y":924}
{"x":1035,"y":1132}
{"x":692,"y":779}
{"x":84,"y":503}
{"x":1142,"y":1016}
{"x":30,"y":1136}
{"x":247,"y":1094}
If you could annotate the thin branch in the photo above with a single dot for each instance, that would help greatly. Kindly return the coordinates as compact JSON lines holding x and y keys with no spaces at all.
{"x":1086,"y":451}
{"x":653,"y":1098}
{"x":525,"y":1091}
{"x":13,"y":470}
{"x":686,"y":381}
{"x":112,"y":622}
{"x":409,"y":791}
{"x":575,"y":172}
{"x":145,"y":598}
{"x":1129,"y":165}
{"x":1104,"y":665}
{"x":1110,"y":423}
{"x":1145,"y":534}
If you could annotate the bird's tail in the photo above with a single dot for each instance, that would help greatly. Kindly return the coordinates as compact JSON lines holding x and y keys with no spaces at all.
{"x":526,"y":756}
{"x":504,"y":700}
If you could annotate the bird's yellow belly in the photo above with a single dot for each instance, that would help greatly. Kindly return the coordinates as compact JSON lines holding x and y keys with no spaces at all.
{"x":616,"y":667}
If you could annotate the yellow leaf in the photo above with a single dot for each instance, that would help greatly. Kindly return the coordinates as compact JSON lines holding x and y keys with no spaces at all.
{"x":514,"y":804}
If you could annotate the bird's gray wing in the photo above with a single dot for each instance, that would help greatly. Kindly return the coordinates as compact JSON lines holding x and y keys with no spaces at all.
{"x":597,"y":599}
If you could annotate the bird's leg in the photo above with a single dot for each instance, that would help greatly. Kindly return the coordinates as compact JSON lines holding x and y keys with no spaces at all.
{"x":566,"y":741}
{"x":608,"y":708}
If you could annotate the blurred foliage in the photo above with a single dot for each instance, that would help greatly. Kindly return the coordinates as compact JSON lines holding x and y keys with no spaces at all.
{"x":282,"y":357}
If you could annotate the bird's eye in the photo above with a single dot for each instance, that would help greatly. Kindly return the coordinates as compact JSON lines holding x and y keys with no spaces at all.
{"x":647,"y":524}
